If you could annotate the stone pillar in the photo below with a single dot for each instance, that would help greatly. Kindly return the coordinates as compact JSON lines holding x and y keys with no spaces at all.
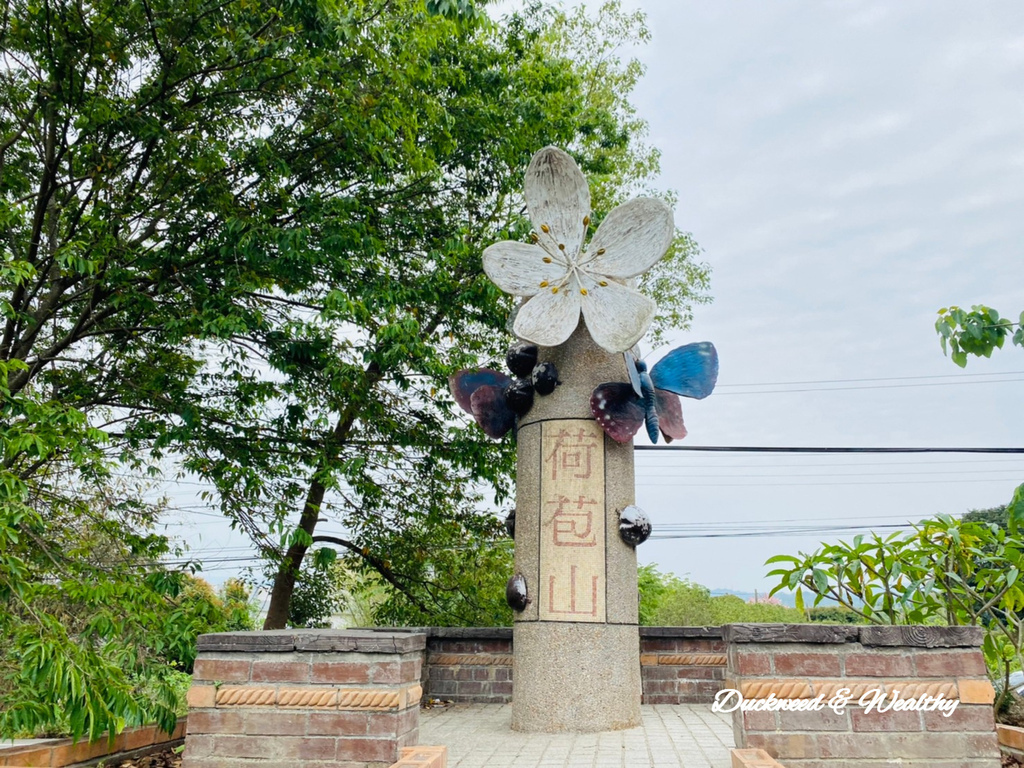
{"x":304,"y":697}
{"x":577,"y":645}
{"x":813,"y":663}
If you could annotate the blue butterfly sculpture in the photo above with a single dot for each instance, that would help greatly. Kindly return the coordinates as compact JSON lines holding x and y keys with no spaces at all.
{"x":620,"y":408}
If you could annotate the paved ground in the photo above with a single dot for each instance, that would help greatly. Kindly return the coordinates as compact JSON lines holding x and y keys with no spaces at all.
{"x":478,"y":736}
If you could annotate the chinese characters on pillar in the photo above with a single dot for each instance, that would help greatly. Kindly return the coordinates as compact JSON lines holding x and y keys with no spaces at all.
{"x":572,"y":546}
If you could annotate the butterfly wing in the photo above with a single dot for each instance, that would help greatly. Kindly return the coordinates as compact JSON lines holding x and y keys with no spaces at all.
{"x":690,"y":370}
{"x":634,"y":374}
{"x":491,"y":410}
{"x":670,"y":415}
{"x":618,"y":410}
{"x":464,"y":383}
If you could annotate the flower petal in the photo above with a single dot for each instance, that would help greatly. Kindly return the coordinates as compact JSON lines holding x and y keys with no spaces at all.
{"x":634,"y":237}
{"x":519,"y":268}
{"x":617,"y":317}
{"x":557,"y":197}
{"x":550,"y":318}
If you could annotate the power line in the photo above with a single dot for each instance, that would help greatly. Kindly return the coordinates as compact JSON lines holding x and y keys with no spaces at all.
{"x":788,"y":532}
{"x":795,"y":449}
{"x":844,"y":474}
{"x":833,"y":464}
{"x":883,"y":378}
{"x":878,"y":386}
{"x":809,"y":485}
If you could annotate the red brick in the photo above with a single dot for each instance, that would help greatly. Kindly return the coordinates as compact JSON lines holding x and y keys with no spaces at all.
{"x":823,"y":720}
{"x":885,"y":721}
{"x":660,"y":673}
{"x":275,"y":723}
{"x":883,"y":746}
{"x":748,"y":663}
{"x":658,"y":698}
{"x":306,"y":748}
{"x":503,"y":688}
{"x":384,"y":750}
{"x":464,"y":673}
{"x":136,"y":738}
{"x":964,"y":718}
{"x":340,"y":672}
{"x":384,"y":724}
{"x":240,"y":746}
{"x":221,"y":670}
{"x":759,"y":721}
{"x":807,"y":664}
{"x":411,"y":670}
{"x":967,"y":663}
{"x":280,"y":672}
{"x":410,"y":739}
{"x":785,"y":745}
{"x":215,"y":721}
{"x":879,"y":665}
{"x":337,"y":723}
{"x":386,"y":672}
{"x":408,"y":720}
{"x":495,"y":646}
{"x":1011,"y":735}
{"x":696,"y":673}
{"x":198,"y":745}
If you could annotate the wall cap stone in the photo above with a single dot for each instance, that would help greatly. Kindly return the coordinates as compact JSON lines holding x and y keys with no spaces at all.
{"x":713,"y":633}
{"x":912,"y":636}
{"x":453,"y":633}
{"x":791,"y":633}
{"x":288,"y":640}
{"x":923,"y":637}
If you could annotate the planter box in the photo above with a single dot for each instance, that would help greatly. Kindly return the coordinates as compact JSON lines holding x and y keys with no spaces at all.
{"x":57,"y":753}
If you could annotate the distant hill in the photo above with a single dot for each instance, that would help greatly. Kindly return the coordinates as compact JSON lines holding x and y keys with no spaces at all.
{"x":786,"y":598}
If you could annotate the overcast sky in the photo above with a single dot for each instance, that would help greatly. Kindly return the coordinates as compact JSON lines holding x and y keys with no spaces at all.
{"x":848,"y":169}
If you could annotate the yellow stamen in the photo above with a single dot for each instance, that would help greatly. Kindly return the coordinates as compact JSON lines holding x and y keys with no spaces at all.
{"x":600,"y":251}
{"x":586,"y":221}
{"x":545,"y":228}
{"x":554,"y":290}
{"x":533,"y":237}
{"x":603,"y":283}
{"x":561,"y":246}
{"x":583,"y":291}
{"x":544,"y":284}
{"x":547,"y":259}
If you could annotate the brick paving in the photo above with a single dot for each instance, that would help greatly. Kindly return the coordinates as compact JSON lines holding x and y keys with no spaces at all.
{"x":478,"y":736}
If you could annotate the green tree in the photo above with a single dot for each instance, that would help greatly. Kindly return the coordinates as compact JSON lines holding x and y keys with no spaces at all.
{"x":247,"y":237}
{"x":980,"y":332}
{"x":84,"y":610}
{"x":244,"y":239}
{"x":946,"y":570}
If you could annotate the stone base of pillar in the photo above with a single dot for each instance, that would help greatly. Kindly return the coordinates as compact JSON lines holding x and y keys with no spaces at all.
{"x":576,"y":677}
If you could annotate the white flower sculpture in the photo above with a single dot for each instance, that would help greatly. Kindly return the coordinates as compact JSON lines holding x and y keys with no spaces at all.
{"x":564,"y":279}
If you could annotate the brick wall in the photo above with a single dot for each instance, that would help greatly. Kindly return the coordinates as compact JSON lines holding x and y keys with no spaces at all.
{"x":474,"y":664}
{"x":469,"y":664}
{"x":681,"y":665}
{"x":802,"y":662}
{"x":311,"y":698}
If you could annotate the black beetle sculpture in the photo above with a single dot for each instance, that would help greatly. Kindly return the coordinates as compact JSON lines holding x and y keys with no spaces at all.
{"x":634,"y":525}
{"x":515,"y":593}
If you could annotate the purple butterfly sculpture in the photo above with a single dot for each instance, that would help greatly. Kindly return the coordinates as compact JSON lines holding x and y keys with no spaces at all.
{"x":621,"y":408}
{"x":494,"y":399}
